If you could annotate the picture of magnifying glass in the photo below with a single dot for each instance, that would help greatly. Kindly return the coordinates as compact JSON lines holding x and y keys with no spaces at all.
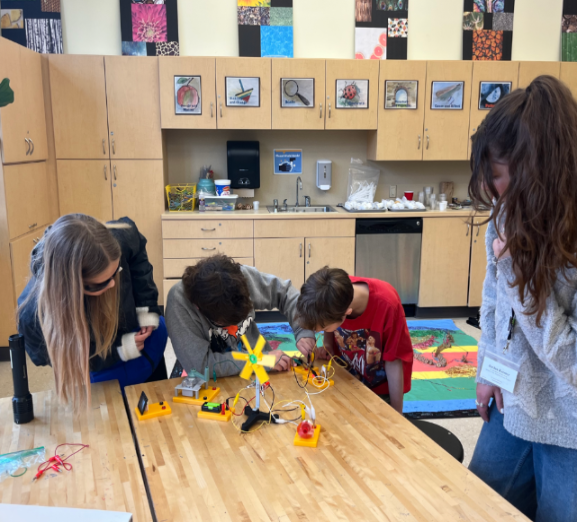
{"x":291,"y":89}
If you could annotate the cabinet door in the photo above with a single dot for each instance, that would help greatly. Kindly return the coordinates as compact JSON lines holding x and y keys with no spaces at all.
{"x":138,"y":192}
{"x":528,"y":71}
{"x":85,"y":186}
{"x":239,"y":70}
{"x":133,"y":99}
{"x":20,"y":256}
{"x":445,"y":262}
{"x":203,"y":73}
{"x":13,"y":144}
{"x":304,"y":99}
{"x":34,"y":95}
{"x":79,"y":112}
{"x":478,"y":263}
{"x":341,"y":111}
{"x":489,"y":72}
{"x":447,"y":130}
{"x":27,"y":205}
{"x":336,"y":252}
{"x":400,"y":131}
{"x":569,"y":76}
{"x":283,"y":258}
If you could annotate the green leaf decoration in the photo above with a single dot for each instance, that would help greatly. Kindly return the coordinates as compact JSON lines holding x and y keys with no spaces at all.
{"x":6,"y":93}
{"x":183,"y":80}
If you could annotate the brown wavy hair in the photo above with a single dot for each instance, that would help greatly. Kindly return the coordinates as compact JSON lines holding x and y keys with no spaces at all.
{"x":533,"y":131}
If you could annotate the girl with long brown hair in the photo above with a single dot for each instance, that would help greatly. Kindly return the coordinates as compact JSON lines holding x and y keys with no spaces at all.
{"x":524,"y":164}
{"x":90,"y":308}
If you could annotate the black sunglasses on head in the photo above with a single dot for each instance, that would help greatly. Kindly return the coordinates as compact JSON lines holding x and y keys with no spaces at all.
{"x":101,"y":286}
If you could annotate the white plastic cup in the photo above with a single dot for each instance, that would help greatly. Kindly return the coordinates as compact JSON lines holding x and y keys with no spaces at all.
{"x":442,"y":206}
{"x":256,"y":205}
{"x":222,"y":187}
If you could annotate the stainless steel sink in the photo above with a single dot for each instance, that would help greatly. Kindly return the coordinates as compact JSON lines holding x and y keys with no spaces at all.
{"x":305,"y":210}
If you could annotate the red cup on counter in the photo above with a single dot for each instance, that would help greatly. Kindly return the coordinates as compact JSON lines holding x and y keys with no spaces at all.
{"x":409,"y":195}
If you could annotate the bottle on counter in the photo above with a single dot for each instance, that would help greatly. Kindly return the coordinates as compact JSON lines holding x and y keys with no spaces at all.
{"x":201,"y":205}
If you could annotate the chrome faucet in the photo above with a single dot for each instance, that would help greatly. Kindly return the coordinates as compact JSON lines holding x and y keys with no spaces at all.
{"x":307,"y":201}
{"x":284,"y":206}
{"x":299,"y":184}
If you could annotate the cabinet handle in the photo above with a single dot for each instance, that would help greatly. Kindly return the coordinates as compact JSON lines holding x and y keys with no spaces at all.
{"x":221,"y":109}
{"x":35,"y":241}
{"x":32,"y":151}
{"x":208,"y":229}
{"x":214,"y":248}
{"x":329,"y":110}
{"x":321,"y":105}
{"x":105,"y":176}
{"x":301,"y":250}
{"x":419,"y":147}
{"x":113,"y":147}
{"x":468,"y":228}
{"x":309,"y":250}
{"x":32,"y":225}
{"x":114,"y":172}
{"x":478,"y":230}
{"x":103,"y":148}
{"x":427,"y":142}
{"x":28,"y":143}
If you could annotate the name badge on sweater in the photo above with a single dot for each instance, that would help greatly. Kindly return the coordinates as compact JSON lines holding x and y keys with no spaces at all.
{"x":500,"y":372}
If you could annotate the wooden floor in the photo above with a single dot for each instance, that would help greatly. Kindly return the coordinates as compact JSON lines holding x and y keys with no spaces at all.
{"x":371,"y":464}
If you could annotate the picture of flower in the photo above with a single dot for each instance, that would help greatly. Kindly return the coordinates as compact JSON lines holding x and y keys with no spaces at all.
{"x":253,"y":3}
{"x":149,"y":23}
{"x":489,"y":6}
{"x":473,"y":21}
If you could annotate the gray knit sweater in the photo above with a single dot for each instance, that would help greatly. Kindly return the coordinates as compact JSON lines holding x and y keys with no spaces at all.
{"x":543,"y":408}
{"x":197,"y":343}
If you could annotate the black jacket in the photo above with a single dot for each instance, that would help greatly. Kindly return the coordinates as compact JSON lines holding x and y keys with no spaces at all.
{"x":137,"y":289}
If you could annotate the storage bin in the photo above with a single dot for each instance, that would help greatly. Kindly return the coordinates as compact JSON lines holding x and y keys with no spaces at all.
{"x":220,"y":202}
{"x":181,"y":198}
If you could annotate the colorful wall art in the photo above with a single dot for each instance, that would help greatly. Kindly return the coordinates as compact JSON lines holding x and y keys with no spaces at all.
{"x":569,"y":31}
{"x":35,"y":24}
{"x":381,"y":30}
{"x":149,"y":27}
{"x":488,"y":29}
{"x":265,"y":28}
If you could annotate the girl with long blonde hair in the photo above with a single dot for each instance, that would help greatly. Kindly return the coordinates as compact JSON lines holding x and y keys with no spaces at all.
{"x":90,"y":308}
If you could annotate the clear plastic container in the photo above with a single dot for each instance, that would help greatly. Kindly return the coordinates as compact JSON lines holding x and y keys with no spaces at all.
{"x":363,"y":181}
{"x":221,"y":202}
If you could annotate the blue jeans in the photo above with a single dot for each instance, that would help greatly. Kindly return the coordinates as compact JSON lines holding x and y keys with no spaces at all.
{"x":540,"y":480}
{"x":137,"y":371}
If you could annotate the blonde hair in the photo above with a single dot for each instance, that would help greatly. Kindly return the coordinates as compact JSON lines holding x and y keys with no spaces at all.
{"x":77,"y":247}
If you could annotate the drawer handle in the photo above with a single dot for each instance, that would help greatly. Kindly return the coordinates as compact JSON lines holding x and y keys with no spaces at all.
{"x":419,"y":147}
{"x":221,"y":109}
{"x":32,"y":225}
{"x":105,"y":176}
{"x":329,"y":110}
{"x":103,"y":148}
{"x":28,"y":143}
{"x":32,"y":151}
{"x":427,"y":142}
{"x":468,"y":228}
{"x":478,"y":230}
{"x":114,"y":172}
{"x":301,"y":250}
{"x":321,"y":110}
{"x":35,"y":241}
{"x":214,"y":248}
{"x":208,"y":229}
{"x":113,"y":147}
{"x":211,"y":109}
{"x":309,"y":250}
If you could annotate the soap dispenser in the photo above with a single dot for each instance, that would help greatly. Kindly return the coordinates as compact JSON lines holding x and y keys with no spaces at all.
{"x":324,"y":174}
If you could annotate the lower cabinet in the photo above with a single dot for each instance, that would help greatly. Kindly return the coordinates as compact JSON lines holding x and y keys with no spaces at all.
{"x":478,"y":268}
{"x":20,"y":250}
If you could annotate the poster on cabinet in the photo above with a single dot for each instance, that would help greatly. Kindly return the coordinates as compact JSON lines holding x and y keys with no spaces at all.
{"x":298,"y":92}
{"x":491,"y":92}
{"x":401,"y":94}
{"x":352,"y":94}
{"x":187,"y":95}
{"x":242,"y":92}
{"x":447,"y":95}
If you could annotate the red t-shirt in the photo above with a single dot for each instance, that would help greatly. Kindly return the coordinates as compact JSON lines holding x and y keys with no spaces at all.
{"x":380,"y":334}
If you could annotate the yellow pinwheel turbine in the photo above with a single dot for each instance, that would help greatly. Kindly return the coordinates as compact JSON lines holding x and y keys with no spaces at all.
{"x":255,"y":360}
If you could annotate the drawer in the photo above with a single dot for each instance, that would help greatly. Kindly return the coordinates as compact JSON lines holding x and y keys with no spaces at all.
{"x":20,"y":255}
{"x":27,"y":194}
{"x":176,"y":267}
{"x":191,"y":248}
{"x":167,"y":284}
{"x":210,"y":229}
{"x":304,"y":228}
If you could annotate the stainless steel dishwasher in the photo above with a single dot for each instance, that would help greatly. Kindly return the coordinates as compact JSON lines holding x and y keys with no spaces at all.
{"x":390,"y":249}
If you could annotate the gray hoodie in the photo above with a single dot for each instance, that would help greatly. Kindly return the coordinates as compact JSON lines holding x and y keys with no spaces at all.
{"x":543,"y":408}
{"x":198,"y":343}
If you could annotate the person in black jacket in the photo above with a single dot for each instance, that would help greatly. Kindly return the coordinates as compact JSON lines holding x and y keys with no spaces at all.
{"x":90,"y":308}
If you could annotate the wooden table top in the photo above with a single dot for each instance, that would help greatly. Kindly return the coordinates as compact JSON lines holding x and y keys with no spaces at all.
{"x":371,"y":463}
{"x":105,"y":476}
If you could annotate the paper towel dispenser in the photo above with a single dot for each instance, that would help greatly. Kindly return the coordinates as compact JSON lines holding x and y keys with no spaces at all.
{"x":243,"y":160}
{"x":324,"y":174}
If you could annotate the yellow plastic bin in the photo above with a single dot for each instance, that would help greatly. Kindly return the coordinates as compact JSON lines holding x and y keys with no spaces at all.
{"x":181,"y":198}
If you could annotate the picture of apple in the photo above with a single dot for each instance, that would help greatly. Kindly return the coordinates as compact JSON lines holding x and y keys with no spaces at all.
{"x":187,"y":96}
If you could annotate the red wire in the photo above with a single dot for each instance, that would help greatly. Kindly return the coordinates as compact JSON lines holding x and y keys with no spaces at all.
{"x":57,"y":460}
{"x":247,"y":403}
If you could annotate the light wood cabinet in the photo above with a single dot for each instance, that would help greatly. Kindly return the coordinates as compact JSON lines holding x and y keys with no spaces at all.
{"x":23,"y":128}
{"x":568,"y":74}
{"x":209,"y":229}
{"x":352,"y":71}
{"x":400,"y":131}
{"x":137,"y":192}
{"x":445,"y":255}
{"x":528,"y":71}
{"x":174,"y":268}
{"x":478,"y":268}
{"x":295,"y":227}
{"x":301,"y":116}
{"x":132,"y":95}
{"x":336,"y":252}
{"x":78,"y":91}
{"x":283,"y":258}
{"x":20,"y":251}
{"x":84,"y":186}
{"x":27,"y":207}
{"x":446,"y":134}
{"x":244,"y":117}
{"x":172,"y":66}
{"x":488,"y":72}
{"x":197,"y":248}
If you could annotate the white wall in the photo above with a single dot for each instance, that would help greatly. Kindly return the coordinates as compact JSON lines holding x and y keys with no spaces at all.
{"x":323,"y":28}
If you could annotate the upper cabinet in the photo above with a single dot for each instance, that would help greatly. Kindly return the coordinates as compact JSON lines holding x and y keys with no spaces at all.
{"x":528,"y":71}
{"x":243,"y":89}
{"x":447,"y":108}
{"x":401,"y":110}
{"x":491,"y":81}
{"x":23,"y":128}
{"x":352,"y":92}
{"x":132,"y":94}
{"x":569,"y":76}
{"x":187,"y":92}
{"x":78,"y":90}
{"x":298,"y":94}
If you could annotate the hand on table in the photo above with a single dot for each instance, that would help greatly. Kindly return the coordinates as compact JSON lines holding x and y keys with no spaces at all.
{"x":484,"y":394}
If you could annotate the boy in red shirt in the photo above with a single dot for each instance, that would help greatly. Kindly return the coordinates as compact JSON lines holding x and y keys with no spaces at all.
{"x":364,"y":323}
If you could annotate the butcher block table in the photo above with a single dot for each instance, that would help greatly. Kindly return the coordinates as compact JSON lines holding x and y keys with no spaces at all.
{"x":370,"y":464}
{"x":105,"y":476}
